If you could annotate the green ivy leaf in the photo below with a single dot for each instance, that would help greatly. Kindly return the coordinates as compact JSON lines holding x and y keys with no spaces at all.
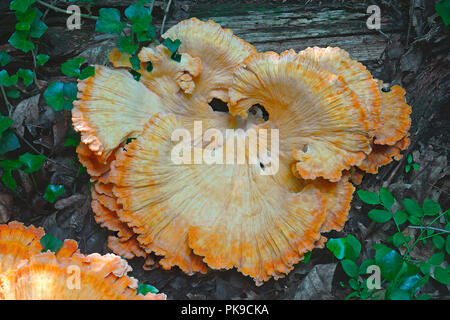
{"x":13,"y":93}
{"x":431,"y":208}
{"x":38,"y":27}
{"x":109,"y":21}
{"x":352,"y":248}
{"x":447,"y":244}
{"x":415,"y":220}
{"x":5,"y":123}
{"x":365,"y":264}
{"x":73,"y":139}
{"x":350,"y":268}
{"x":400,"y":217}
{"x":52,"y":192}
{"x":8,"y":179}
{"x":399,"y":294}
{"x":6,"y":80}
{"x":19,"y":40}
{"x":441,"y":275}
{"x":71,"y":68}
{"x":32,"y":162}
{"x":9,"y":142}
{"x":10,"y":164}
{"x":380,"y":216}
{"x":4,"y":58}
{"x":425,"y":267}
{"x":410,"y":158}
{"x":368,"y":197}
{"x":437,"y":258}
{"x":60,"y":95}
{"x":26,"y":75}
{"x":439,"y":242}
{"x":20,"y":5}
{"x":147,"y":35}
{"x":443,"y":10}
{"x":354,"y":284}
{"x":136,"y":75}
{"x":412,"y":207}
{"x":41,"y":59}
{"x":307,"y":257}
{"x":407,"y":168}
{"x":172,"y":45}
{"x":146,"y":288}
{"x":87,"y":72}
{"x":50,"y":242}
{"x":386,"y":197}
{"x":135,"y":62}
{"x":398,"y":239}
{"x":416,"y":166}
{"x":25,"y":19}
{"x":176,"y":57}
{"x":127,"y":45}
{"x":337,"y":247}
{"x":389,"y":261}
{"x":139,"y":16}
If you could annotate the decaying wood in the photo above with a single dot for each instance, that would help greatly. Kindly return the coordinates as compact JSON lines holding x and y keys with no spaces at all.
{"x":278,"y":27}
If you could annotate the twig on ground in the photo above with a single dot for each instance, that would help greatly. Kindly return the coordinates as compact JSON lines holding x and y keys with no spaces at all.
{"x":37,"y":151}
{"x":165,"y":17}
{"x":45,"y":4}
{"x":429,"y":228}
{"x":8,"y":104}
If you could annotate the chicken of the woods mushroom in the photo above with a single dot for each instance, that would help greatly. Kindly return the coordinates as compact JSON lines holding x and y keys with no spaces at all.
{"x":334,"y":123}
{"x":28,"y":273}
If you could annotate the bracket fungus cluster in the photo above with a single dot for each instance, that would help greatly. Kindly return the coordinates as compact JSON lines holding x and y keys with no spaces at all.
{"x":28,"y":273}
{"x":334,"y":120}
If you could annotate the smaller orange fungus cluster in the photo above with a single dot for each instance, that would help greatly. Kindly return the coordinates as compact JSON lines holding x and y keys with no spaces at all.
{"x":27,"y":273}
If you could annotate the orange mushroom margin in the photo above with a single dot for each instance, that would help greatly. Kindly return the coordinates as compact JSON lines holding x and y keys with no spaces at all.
{"x":28,"y":273}
{"x":334,"y":121}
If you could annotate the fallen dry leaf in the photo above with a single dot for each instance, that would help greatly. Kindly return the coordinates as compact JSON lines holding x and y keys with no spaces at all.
{"x":317,"y":284}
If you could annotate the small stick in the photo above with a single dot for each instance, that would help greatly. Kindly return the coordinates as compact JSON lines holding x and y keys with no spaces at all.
{"x":429,"y":228}
{"x":64,"y":11}
{"x":165,"y":17}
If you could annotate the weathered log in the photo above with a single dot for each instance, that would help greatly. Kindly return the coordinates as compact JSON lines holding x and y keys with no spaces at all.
{"x":278,"y":27}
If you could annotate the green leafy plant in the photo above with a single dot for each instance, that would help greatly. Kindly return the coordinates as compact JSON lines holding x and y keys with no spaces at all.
{"x":52,"y":192}
{"x":402,"y":275}
{"x":50,"y":242}
{"x":410,"y":164}
{"x":443,"y":10}
{"x":146,"y":288}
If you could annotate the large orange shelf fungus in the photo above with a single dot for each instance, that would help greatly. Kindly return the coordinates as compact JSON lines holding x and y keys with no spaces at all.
{"x":332,"y":119}
{"x":28,"y":273}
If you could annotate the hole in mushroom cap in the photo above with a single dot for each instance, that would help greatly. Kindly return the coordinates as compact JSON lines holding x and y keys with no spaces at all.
{"x":218,"y":105}
{"x":258,"y":111}
{"x":305,"y":148}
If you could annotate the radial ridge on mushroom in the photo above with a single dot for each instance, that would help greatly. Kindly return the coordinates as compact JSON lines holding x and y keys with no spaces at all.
{"x":333,"y":120}
{"x":28,"y":273}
